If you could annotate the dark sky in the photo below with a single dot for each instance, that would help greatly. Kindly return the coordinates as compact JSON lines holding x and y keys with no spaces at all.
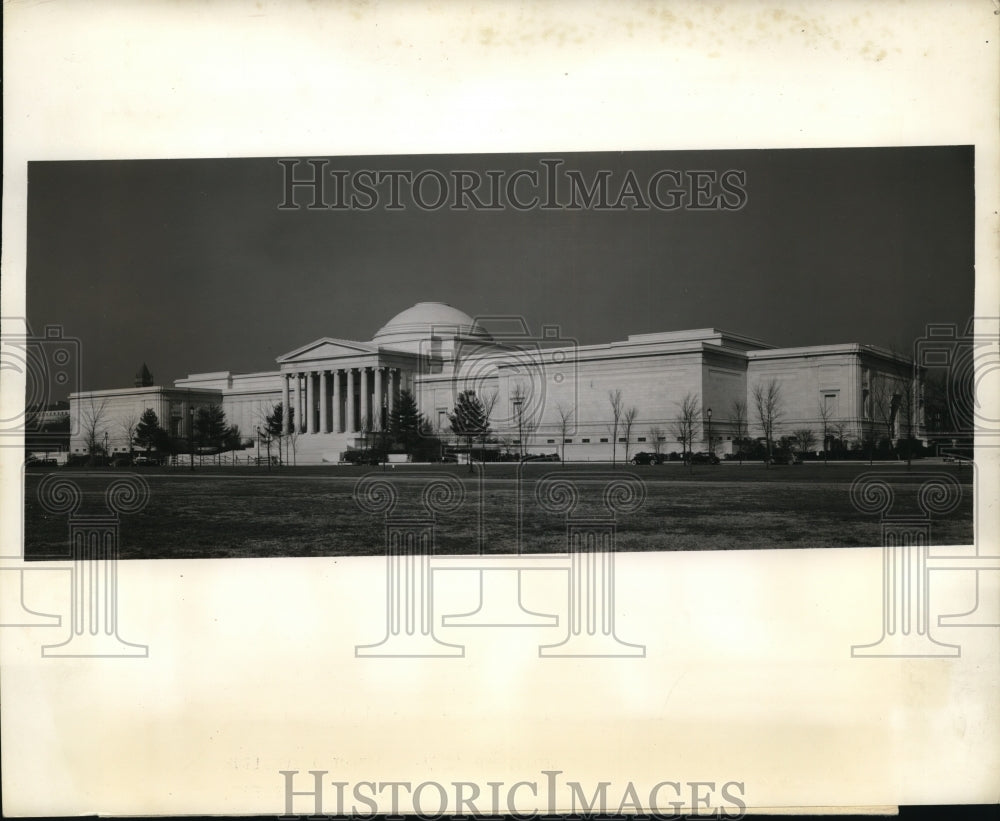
{"x":189,"y":265}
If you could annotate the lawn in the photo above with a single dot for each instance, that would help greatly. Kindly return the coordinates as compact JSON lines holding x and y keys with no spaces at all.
{"x":246,"y":512}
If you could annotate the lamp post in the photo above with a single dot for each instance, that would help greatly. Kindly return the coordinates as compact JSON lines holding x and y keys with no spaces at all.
{"x":107,"y":460}
{"x":258,"y":447}
{"x":518,"y":413}
{"x":711,"y":450}
{"x":191,"y":435}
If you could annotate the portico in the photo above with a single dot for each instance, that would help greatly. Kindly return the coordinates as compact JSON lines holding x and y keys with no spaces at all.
{"x":339,"y":391}
{"x":348,"y":398}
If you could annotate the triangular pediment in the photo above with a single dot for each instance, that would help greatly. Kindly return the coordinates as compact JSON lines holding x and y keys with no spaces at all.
{"x":327,"y":348}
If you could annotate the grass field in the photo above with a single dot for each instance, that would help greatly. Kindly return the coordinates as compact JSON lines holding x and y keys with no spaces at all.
{"x":311,"y":511}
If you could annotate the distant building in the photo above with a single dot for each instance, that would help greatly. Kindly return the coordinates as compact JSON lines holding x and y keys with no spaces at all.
{"x":47,"y":427}
{"x":339,"y":388}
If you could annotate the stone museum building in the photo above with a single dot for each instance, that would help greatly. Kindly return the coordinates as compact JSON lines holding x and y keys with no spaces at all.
{"x":547,"y":392}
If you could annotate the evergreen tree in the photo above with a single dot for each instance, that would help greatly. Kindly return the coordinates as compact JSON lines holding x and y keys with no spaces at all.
{"x":407,"y":425}
{"x":275,"y":421}
{"x":149,"y":434}
{"x":469,"y":419}
{"x":210,"y":428}
{"x":232,"y":439}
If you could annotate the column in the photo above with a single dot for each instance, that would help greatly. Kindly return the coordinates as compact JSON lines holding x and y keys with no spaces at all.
{"x":379,"y":420}
{"x":286,"y":396}
{"x":324,"y":419}
{"x":336,"y":401}
{"x":302,"y":403}
{"x":391,"y":401}
{"x":310,"y":404}
{"x":352,"y":421}
{"x":365,"y":399}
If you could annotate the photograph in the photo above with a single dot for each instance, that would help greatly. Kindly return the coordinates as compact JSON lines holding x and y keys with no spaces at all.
{"x":740,"y":334}
{"x":485,"y":408}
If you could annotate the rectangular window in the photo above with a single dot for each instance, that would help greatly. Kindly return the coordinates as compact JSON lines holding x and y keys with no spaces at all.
{"x":567,"y":441}
{"x":585,"y":441}
{"x":621,"y":439}
{"x":662,"y":438}
{"x":641,"y":439}
{"x":550,"y":441}
{"x":830,"y":405}
{"x":604,"y":439}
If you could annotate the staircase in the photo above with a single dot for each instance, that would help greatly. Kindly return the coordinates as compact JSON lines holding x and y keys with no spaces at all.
{"x":320,"y":448}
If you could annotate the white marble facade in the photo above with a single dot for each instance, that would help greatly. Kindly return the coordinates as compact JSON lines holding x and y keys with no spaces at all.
{"x":340,"y":389}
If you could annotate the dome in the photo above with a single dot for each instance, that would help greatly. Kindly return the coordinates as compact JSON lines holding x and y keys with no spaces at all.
{"x":426,"y":319}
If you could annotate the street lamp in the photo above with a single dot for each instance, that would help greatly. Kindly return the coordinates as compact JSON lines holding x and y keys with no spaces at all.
{"x":518,"y":413}
{"x":191,"y":435}
{"x":710,"y":448}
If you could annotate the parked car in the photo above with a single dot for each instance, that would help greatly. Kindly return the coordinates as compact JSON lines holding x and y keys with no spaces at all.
{"x":143,"y":460}
{"x":32,"y":460}
{"x":784,"y":458}
{"x":646,"y":458}
{"x":703,"y":458}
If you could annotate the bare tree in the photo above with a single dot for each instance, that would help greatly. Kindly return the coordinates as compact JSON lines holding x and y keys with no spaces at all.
{"x":129,"y":425}
{"x":366,"y":428}
{"x":489,"y":402}
{"x":519,"y":398}
{"x":840,"y":431}
{"x":656,"y":436}
{"x":261,"y":423}
{"x":826,"y":417}
{"x":565,"y":426}
{"x":805,"y":439}
{"x":738,"y":418}
{"x":615,"y":398}
{"x":908,"y":382}
{"x":769,"y":408}
{"x":94,"y":426}
{"x":628,"y":421}
{"x":885,"y":400}
{"x":291,"y":437}
{"x":685,"y":424}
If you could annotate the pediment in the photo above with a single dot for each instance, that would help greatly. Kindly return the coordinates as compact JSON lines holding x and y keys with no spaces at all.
{"x":327,"y":348}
